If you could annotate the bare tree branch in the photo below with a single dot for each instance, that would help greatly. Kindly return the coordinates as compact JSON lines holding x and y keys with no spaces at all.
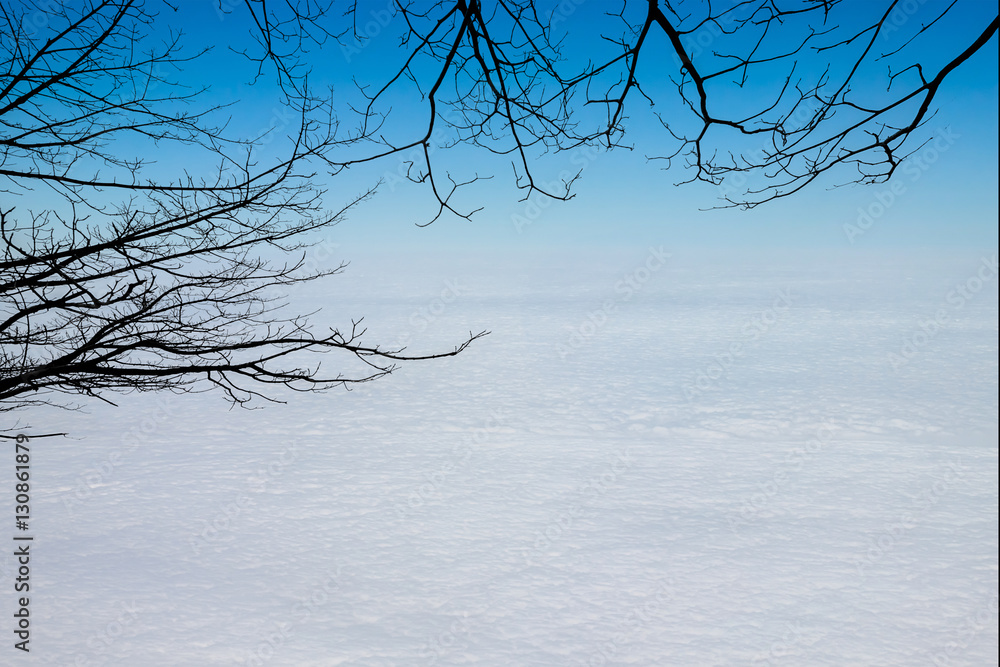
{"x":127,"y":283}
{"x":497,"y":75}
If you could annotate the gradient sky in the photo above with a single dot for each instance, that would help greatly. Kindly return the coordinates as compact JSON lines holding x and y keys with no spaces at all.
{"x":621,"y":198}
{"x":624,"y":199}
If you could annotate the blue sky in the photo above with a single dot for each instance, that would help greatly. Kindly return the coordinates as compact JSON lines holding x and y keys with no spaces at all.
{"x":946,"y":198}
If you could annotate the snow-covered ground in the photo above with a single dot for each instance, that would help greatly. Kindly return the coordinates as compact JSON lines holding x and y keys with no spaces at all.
{"x":700,"y":459}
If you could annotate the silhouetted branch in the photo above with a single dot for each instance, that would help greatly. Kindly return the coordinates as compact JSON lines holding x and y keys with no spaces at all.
{"x":133,"y":283}
{"x":784,"y":91}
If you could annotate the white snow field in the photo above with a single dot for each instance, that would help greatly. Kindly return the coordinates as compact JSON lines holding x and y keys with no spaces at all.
{"x":719,"y":464}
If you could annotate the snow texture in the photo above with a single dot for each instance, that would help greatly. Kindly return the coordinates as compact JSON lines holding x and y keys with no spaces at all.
{"x":687,"y":460}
